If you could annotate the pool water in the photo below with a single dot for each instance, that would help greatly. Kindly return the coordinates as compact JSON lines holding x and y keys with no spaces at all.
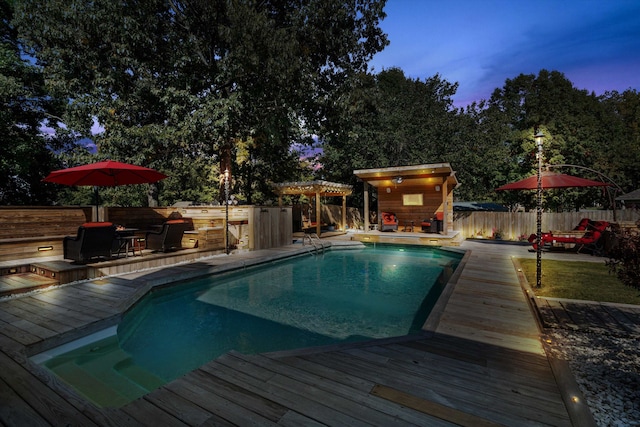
{"x":339,"y":297}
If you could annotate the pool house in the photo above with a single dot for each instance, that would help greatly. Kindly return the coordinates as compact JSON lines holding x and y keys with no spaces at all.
{"x":417,"y":195}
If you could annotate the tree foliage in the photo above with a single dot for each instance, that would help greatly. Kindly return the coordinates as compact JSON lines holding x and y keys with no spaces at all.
{"x":25,"y":152}
{"x":193,"y":88}
{"x":170,"y":79}
{"x":389,"y":120}
{"x":580,"y":129}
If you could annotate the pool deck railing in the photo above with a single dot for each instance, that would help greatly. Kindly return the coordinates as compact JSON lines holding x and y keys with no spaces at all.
{"x":479,"y":361}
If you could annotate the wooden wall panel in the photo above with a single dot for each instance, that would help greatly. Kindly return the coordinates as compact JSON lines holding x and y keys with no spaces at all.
{"x":35,"y":221}
{"x":390,"y":199}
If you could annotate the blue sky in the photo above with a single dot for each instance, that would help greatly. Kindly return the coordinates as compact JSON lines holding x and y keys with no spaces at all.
{"x":481,"y":43}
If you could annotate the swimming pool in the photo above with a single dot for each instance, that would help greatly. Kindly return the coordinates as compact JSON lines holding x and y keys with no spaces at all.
{"x":341,"y":296}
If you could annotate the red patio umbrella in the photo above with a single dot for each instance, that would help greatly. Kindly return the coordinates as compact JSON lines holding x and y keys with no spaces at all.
{"x":551,"y":180}
{"x":105,"y":174}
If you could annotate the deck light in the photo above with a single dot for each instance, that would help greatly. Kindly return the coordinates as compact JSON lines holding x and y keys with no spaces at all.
{"x":45,"y":248}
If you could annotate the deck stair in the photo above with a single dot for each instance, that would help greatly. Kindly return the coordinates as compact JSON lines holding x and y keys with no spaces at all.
{"x":23,"y":282}
{"x":31,"y":274}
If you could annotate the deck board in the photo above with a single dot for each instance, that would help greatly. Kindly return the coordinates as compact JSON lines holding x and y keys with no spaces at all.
{"x":480,"y":363}
{"x":42,"y":400}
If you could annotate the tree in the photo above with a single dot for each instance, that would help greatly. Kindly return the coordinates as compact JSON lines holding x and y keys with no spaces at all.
{"x":388,"y":120}
{"x":622,"y":137}
{"x":191,"y":79}
{"x":25,"y":151}
{"x":575,"y":125}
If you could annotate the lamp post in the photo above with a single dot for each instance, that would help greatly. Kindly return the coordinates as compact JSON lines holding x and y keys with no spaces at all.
{"x":226,"y":210}
{"x":538,"y":138}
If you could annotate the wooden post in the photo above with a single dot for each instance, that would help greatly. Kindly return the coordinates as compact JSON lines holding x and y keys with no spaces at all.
{"x":366,"y":206}
{"x":318,"y":214}
{"x":445,"y":207}
{"x":343,"y":226}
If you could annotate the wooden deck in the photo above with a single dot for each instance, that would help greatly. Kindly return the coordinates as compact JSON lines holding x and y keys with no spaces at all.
{"x":479,"y":362}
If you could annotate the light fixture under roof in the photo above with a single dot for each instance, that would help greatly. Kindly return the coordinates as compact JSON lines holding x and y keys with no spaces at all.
{"x":397,"y":180}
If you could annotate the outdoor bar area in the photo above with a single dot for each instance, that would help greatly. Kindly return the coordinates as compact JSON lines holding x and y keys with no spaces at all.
{"x":414,"y":205}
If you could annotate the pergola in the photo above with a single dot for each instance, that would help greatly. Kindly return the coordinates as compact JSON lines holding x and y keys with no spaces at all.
{"x":317,"y":189}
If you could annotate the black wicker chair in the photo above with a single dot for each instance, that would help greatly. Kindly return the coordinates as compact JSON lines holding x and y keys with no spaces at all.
{"x":168,"y":238}
{"x":94,"y":240}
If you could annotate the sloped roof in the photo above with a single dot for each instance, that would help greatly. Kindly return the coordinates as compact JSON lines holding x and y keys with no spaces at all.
{"x":432,"y":173}
{"x":634,"y":195}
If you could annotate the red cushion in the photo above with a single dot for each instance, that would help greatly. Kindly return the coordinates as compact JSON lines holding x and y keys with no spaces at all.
{"x":97,"y":224}
{"x":582,"y":225}
{"x":439,"y":216}
{"x":175,"y":221}
{"x":388,"y":218}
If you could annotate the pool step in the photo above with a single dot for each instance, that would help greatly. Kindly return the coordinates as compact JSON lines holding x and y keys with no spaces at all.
{"x":107,"y":377}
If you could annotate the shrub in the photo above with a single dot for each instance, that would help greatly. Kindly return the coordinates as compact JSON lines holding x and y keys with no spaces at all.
{"x":625,"y":257}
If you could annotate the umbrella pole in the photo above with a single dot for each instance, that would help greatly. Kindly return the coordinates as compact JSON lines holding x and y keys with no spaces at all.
{"x":95,"y":192}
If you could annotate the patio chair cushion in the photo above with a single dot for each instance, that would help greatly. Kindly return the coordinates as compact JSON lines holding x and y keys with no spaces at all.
{"x":96,"y":224}
{"x":389,"y":221}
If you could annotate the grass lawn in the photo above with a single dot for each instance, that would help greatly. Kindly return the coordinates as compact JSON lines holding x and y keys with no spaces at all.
{"x":579,"y":280}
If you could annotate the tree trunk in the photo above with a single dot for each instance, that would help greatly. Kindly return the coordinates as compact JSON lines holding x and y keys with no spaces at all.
{"x":152,"y":195}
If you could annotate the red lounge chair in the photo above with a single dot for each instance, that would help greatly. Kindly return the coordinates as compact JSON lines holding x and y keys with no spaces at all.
{"x":433,"y":225}
{"x":589,"y":241}
{"x":547,"y":238}
{"x":389,"y":221}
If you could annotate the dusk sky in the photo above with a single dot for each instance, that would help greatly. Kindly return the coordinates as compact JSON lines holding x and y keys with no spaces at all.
{"x":481,"y":43}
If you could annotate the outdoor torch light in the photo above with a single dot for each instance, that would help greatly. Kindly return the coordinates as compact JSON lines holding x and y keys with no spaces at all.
{"x":539,"y":138}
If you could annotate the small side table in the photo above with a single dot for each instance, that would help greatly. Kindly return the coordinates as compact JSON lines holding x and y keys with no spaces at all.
{"x":408,"y":226}
{"x":129,"y":241}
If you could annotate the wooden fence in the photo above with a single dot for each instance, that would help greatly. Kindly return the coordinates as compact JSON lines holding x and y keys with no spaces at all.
{"x":519,"y":225}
